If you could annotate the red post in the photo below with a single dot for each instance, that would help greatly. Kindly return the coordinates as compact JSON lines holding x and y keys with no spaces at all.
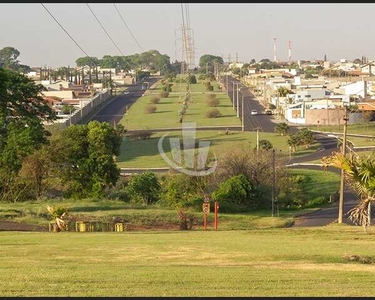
{"x":216,"y":206}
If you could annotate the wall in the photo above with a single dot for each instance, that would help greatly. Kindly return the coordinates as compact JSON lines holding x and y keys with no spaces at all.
{"x":60,"y":94}
{"x":324,"y":116}
{"x":85,"y":110}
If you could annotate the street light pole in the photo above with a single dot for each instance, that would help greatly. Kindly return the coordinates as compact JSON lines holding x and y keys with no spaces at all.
{"x":342,"y":184}
{"x":227,"y":85}
{"x":233,"y":93}
{"x":243,"y":122}
{"x":238,"y":112}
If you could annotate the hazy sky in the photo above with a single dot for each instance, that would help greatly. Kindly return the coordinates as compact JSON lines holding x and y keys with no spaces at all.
{"x":337,"y":30}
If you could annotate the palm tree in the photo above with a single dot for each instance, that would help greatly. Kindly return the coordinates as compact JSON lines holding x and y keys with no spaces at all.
{"x":57,"y":215}
{"x":282,"y":128}
{"x":360,"y":176}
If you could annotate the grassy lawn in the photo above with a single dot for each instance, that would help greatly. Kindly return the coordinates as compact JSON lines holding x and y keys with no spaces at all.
{"x":166,"y":115}
{"x":259,"y":262}
{"x":144,"y":153}
{"x":366,"y":129}
{"x":361,"y":141}
{"x":328,"y":182}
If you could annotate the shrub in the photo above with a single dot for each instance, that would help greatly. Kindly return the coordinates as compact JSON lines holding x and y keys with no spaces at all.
{"x":164,"y":94}
{"x":167,"y":88}
{"x":192,"y":79}
{"x":155,"y":100}
{"x":141,"y":135}
{"x":213,"y":113}
{"x":150,"y":109}
{"x":212,"y":101}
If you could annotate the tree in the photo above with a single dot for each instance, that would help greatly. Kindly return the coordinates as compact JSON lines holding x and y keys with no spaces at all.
{"x":208,"y":60}
{"x":360,"y":175}
{"x":294,"y":141}
{"x":282,"y":128}
{"x":145,"y":187}
{"x":192,"y":79}
{"x":306,"y":137}
{"x":237,"y":189}
{"x":22,"y":112}
{"x":256,"y":166}
{"x":87,"y":61}
{"x":183,"y":193}
{"x":8,"y":58}
{"x":265,"y":144}
{"x":84,"y":157}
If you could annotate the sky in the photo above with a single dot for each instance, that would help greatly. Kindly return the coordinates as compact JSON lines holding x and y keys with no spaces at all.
{"x":240,"y":30}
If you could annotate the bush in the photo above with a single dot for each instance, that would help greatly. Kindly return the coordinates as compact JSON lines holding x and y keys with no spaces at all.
{"x":212,"y":101}
{"x":164,"y":94}
{"x":141,"y":135}
{"x":213,"y":113}
{"x":167,"y":88}
{"x":209,"y":87}
{"x":155,"y":100}
{"x":192,"y":79}
{"x":150,"y":109}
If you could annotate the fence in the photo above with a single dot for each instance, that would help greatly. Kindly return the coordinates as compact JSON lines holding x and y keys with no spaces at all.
{"x":79,"y":114}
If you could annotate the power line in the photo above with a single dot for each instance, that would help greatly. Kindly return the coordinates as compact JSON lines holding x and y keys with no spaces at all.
{"x":128,"y":27}
{"x":68,"y":34}
{"x":105,"y":30}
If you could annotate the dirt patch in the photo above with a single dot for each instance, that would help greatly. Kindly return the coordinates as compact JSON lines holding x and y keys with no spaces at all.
{"x":15,"y":226}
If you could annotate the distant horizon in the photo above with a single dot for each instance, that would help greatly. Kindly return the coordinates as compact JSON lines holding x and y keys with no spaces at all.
{"x":243,"y":30}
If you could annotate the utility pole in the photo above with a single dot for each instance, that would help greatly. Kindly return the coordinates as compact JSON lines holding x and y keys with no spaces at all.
{"x":238,"y":111}
{"x":243,"y":122}
{"x":258,"y":141}
{"x":227,"y":85}
{"x":233,"y":94}
{"x":273,"y":182}
{"x":341,"y":201}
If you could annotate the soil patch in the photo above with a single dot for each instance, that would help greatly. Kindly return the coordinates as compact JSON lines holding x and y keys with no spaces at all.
{"x":15,"y":226}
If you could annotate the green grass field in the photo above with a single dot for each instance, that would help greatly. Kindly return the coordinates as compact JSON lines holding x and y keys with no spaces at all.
{"x":270,"y":262}
{"x":145,"y":153}
{"x":167,"y":116}
{"x":366,"y":129}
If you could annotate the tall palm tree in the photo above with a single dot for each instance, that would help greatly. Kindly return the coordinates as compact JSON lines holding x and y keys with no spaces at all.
{"x":360,"y":176}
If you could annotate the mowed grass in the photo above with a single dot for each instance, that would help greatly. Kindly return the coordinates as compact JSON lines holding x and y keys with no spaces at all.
{"x":145,"y":153}
{"x":269,"y":262}
{"x":321,"y":183}
{"x":366,"y":129}
{"x":361,"y":141}
{"x":166,"y":115}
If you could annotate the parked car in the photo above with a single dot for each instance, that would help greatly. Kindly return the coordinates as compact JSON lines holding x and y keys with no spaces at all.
{"x":269,"y":112}
{"x":254,"y":112}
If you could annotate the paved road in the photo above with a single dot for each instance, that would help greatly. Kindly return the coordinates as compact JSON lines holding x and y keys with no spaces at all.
{"x":115,"y":110}
{"x":262,"y":122}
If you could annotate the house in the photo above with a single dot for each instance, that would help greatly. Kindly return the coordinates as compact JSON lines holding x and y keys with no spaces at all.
{"x":368,"y":69}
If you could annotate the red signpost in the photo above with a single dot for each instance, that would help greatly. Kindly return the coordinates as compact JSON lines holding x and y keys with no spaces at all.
{"x":216,"y":207}
{"x":206,"y":211}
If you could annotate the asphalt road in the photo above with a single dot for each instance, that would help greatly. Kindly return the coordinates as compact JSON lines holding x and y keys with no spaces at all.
{"x":114,"y":111}
{"x":261,"y":121}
